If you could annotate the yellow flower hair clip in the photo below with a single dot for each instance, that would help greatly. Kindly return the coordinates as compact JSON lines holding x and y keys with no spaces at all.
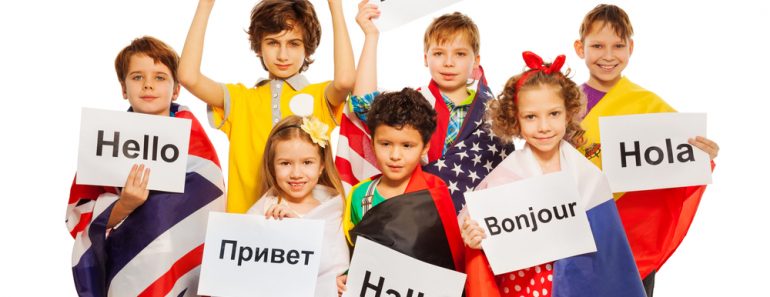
{"x":317,"y":130}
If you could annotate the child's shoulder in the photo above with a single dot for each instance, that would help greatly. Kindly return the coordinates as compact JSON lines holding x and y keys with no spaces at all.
{"x":359,"y":190}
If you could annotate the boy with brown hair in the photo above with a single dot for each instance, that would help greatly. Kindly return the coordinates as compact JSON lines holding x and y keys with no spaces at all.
{"x":284,"y":35}
{"x":462,"y":150}
{"x":119,"y":232}
{"x":655,"y":221}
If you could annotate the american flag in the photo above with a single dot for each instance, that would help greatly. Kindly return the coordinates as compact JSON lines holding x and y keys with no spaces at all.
{"x":469,"y":159}
{"x":157,"y":250}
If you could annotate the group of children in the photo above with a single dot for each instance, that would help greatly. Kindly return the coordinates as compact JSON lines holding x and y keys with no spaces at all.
{"x":405,"y":158}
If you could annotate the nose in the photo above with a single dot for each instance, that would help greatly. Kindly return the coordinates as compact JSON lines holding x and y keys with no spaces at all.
{"x":283,"y":53}
{"x":147,"y":84}
{"x":607,"y":53}
{"x":543,"y":126}
{"x":448,"y":61}
{"x":395,"y":153}
{"x":295,"y":172}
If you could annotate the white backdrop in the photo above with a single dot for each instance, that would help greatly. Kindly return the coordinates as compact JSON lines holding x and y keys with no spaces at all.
{"x":708,"y":56}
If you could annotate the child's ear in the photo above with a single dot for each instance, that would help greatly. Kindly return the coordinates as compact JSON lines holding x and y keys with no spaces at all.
{"x":630,"y":46}
{"x":425,"y":149}
{"x":579,"y":49}
{"x":123,"y":90}
{"x":174,"y":95}
{"x":425,"y":58}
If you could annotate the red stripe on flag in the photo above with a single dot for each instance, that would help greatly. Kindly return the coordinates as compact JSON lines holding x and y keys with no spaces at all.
{"x":164,"y":284}
{"x":356,"y":137}
{"x":345,"y":171}
{"x":85,"y":219}
{"x":200,"y":145}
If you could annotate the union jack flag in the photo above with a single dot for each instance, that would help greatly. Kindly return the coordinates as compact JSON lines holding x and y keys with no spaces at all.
{"x":157,"y":250}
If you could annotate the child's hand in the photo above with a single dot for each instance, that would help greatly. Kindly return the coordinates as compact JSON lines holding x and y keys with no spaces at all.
{"x":366,"y":13}
{"x":705,"y":145}
{"x":341,"y":281}
{"x":472,"y":233}
{"x":135,"y":191}
{"x":280,"y":211}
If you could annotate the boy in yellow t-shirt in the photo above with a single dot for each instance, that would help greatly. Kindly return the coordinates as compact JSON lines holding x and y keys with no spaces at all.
{"x":284,"y":34}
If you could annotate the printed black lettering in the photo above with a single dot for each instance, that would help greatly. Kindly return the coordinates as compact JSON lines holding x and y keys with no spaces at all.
{"x":307,"y":256}
{"x":241,"y":257}
{"x":492,"y":226}
{"x":687,"y":151}
{"x":292,"y":257}
{"x":174,"y":153}
{"x":222,"y":248}
{"x":368,"y":285}
{"x":128,"y":146}
{"x":260,"y":254}
{"x":100,"y":142}
{"x":277,"y":256}
{"x":648,"y":157}
{"x":634,"y":153}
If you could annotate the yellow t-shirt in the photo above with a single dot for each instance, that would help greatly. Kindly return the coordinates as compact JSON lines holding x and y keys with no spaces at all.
{"x":247,"y":123}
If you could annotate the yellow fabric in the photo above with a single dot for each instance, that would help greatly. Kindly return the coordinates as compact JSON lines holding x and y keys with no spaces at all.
{"x":625,"y":98}
{"x":248,"y":126}
{"x":347,"y":222}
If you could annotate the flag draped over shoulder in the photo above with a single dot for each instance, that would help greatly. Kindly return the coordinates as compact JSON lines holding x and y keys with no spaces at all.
{"x":656,"y":221}
{"x":466,"y":162}
{"x":608,"y":272}
{"x":421,"y":223}
{"x":157,"y":250}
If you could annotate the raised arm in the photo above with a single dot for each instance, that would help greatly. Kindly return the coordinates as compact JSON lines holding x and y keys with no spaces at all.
{"x":189,"y":72}
{"x":344,"y":65}
{"x":366,"y":75}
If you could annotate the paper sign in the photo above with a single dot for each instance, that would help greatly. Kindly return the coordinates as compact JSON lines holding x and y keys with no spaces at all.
{"x":248,"y":255}
{"x":376,"y":270}
{"x":394,"y":13}
{"x":112,"y":141}
{"x":650,"y":151}
{"x":531,"y":221}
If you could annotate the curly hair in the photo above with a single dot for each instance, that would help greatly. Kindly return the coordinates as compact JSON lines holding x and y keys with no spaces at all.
{"x":503,"y":112}
{"x":275,"y":16}
{"x":403,"y":108}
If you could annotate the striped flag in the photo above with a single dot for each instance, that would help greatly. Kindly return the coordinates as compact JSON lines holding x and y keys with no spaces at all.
{"x":471,"y":156}
{"x":157,"y":250}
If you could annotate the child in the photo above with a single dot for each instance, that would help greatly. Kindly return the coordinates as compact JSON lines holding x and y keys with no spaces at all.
{"x":655,"y":221}
{"x":300,"y":181}
{"x":284,"y":34}
{"x":404,"y":208}
{"x":130,"y":241}
{"x":542,"y":107}
{"x":462,"y":151}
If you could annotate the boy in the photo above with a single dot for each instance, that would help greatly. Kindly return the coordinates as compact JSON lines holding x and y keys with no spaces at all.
{"x":655,"y":221}
{"x":284,"y":34}
{"x":462,"y":150}
{"x":131,"y":241}
{"x":412,"y":204}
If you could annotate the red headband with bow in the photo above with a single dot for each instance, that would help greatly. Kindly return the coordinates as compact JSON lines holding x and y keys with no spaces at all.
{"x":536,"y":64}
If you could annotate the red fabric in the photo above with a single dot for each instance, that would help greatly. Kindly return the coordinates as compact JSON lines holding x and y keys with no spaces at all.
{"x":442,"y":123}
{"x":656,"y":222}
{"x":200,"y":145}
{"x":533,"y":281}
{"x":164,"y":284}
{"x":481,"y":282}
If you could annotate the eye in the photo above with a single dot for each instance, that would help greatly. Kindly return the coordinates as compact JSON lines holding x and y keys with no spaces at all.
{"x":529,"y":117}
{"x":555,"y":113}
{"x":408,"y":145}
{"x":437,"y":54}
{"x":136,"y":77}
{"x":596,"y":46}
{"x":620,"y":45}
{"x":308,"y":162}
{"x":283,"y":163}
{"x":295,"y":44}
{"x":160,"y":77}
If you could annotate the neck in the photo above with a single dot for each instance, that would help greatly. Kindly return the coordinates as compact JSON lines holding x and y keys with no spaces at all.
{"x":457,"y":96}
{"x":301,"y":205}
{"x":603,"y":86}
{"x":389,"y":188}
{"x":549,"y":161}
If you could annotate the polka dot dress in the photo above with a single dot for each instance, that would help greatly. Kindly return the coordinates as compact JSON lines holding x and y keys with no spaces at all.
{"x":534,"y":281}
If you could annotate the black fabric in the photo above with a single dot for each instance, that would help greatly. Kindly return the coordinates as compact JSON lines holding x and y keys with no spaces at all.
{"x":649,"y":283}
{"x":410,"y":224}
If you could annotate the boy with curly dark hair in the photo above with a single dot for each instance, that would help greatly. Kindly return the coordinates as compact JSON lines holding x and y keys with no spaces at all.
{"x":415,"y":206}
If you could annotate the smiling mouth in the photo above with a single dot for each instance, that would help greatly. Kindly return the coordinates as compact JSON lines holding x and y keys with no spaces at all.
{"x":148,"y":98}
{"x":607,"y":67}
{"x":296,"y":186}
{"x":283,"y":67}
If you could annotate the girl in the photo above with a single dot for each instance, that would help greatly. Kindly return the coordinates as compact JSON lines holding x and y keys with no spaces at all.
{"x":300,"y":181}
{"x":542,"y":106}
